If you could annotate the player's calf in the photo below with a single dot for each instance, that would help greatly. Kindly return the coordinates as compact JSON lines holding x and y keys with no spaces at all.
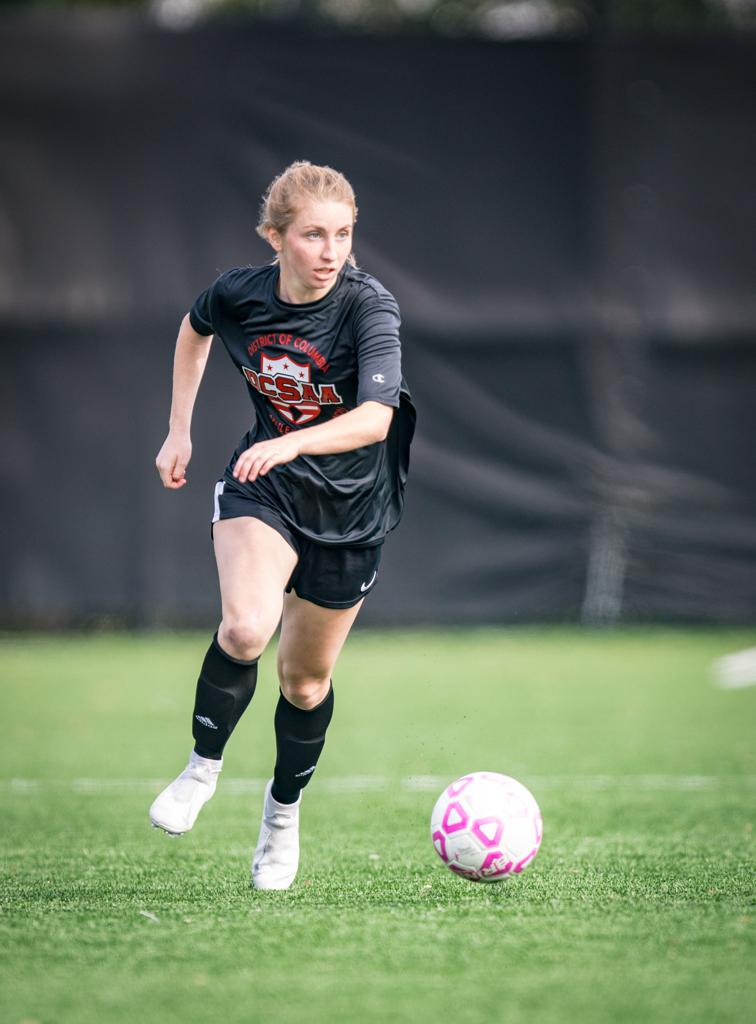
{"x":225,"y":687}
{"x":300,"y":738}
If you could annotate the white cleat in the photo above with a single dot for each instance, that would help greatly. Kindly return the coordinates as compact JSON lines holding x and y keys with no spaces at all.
{"x":175,"y":810}
{"x":276,"y":857}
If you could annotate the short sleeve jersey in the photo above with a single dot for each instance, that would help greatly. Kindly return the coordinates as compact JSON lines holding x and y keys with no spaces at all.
{"x":305,"y":364}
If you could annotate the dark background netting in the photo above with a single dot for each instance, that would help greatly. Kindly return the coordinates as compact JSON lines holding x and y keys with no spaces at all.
{"x":568,"y":226}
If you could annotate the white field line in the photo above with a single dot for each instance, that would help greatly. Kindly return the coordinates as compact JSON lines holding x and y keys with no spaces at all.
{"x":735,"y":671}
{"x":382,"y":783}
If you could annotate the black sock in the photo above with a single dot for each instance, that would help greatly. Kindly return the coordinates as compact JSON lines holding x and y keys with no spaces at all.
{"x":224,"y":689}
{"x":300,"y":738}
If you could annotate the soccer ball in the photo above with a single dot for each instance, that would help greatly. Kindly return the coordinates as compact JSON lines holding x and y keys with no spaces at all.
{"x":486,"y":827}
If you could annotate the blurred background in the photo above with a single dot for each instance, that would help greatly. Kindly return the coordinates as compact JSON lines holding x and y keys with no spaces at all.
{"x":560,"y":195}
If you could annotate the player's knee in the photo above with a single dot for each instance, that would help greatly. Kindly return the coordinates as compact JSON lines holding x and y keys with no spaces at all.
{"x":302,"y":688}
{"x":244,"y":636}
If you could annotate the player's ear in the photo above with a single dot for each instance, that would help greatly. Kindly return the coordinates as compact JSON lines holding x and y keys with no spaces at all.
{"x":275,"y":239}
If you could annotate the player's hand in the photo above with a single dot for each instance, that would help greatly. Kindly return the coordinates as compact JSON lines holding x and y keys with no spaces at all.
{"x":172,"y":460}
{"x":263,"y":456}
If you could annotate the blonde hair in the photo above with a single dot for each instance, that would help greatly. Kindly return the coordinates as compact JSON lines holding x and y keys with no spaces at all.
{"x":301,"y":181}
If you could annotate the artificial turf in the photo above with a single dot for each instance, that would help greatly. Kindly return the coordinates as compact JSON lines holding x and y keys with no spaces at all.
{"x":638,"y":908}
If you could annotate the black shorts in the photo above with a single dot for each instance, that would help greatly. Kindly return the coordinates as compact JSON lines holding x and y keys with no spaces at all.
{"x":332,"y":577}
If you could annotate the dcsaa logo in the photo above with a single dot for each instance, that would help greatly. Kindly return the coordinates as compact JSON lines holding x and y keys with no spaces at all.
{"x":288,"y":385}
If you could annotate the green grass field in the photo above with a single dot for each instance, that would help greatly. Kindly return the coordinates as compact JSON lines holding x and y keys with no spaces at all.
{"x":638,"y":907}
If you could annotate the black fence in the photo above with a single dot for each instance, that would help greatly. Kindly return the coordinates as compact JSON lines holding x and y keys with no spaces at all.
{"x":569,"y":229}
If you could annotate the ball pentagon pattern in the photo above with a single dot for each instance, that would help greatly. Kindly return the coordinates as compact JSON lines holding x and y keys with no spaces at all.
{"x":486,"y":827}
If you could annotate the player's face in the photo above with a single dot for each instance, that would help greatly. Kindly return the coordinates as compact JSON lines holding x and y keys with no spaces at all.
{"x":313,"y":249}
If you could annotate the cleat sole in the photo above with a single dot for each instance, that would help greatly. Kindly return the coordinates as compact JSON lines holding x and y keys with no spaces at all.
{"x":173,"y":835}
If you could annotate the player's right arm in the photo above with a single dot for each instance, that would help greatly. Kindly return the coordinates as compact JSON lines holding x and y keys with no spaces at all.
{"x":190,"y":359}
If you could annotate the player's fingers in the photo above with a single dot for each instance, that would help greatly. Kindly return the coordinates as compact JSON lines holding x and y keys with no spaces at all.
{"x":243,"y":463}
{"x":253,"y":466}
{"x":273,"y":459}
{"x":240,"y":467}
{"x":258,"y":460}
{"x":248,"y":462}
{"x":276,"y":457}
{"x":168,"y":472}
{"x":264,"y":459}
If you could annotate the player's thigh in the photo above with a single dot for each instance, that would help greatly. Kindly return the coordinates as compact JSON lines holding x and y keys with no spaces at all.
{"x":309,"y":646}
{"x":254,"y":565}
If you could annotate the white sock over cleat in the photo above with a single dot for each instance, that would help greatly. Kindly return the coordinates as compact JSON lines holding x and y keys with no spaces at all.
{"x":276,"y":857}
{"x":175,"y":810}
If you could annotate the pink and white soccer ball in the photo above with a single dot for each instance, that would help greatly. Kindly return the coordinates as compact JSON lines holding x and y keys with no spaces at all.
{"x":486,"y":827}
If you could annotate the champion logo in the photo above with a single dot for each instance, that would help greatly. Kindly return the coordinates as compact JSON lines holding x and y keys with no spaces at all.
{"x":204,"y":720}
{"x":307,"y":771}
{"x":367,"y":586}
{"x":379,"y":378}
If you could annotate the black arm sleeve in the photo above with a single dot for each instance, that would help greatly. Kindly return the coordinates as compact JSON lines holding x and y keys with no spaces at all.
{"x":379,"y":361}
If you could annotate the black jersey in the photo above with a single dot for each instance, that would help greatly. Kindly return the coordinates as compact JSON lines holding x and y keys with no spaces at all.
{"x":306,"y":364}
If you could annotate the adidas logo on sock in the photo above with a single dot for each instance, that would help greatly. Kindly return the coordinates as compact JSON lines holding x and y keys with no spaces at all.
{"x":307,"y":771}
{"x":204,"y":720}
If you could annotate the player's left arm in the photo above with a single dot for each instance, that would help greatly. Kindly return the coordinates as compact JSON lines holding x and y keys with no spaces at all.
{"x":366,"y":424}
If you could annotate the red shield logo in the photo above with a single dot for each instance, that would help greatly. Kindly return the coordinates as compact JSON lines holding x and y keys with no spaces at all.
{"x":296,"y":412}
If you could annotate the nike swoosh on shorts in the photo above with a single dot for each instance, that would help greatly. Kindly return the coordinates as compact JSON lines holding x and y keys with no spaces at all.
{"x":367,"y":586}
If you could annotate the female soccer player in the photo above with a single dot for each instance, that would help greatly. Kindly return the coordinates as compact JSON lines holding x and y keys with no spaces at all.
{"x":308,"y":496}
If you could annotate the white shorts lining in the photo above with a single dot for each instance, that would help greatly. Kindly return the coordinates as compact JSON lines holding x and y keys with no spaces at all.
{"x":219,"y":489}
